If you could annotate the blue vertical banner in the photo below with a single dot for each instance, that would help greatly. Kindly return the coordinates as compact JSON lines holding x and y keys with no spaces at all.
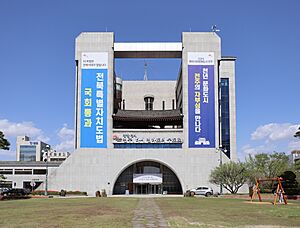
{"x":201,"y":101}
{"x":93,"y":118}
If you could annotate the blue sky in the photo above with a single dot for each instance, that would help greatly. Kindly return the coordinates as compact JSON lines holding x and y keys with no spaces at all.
{"x":37,"y":69}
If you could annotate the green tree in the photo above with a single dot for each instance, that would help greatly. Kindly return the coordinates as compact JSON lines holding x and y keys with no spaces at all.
{"x":2,"y":177}
{"x":290,"y":184}
{"x":4,"y":144}
{"x":266,"y":166}
{"x":231,"y":175}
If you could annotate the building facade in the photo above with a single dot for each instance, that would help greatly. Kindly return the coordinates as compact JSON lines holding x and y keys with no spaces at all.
{"x":294,"y":157}
{"x":25,"y":174}
{"x":150,"y":137}
{"x":27,"y":150}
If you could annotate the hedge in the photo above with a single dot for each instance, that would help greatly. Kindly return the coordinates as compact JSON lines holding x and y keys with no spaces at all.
{"x":57,"y":193}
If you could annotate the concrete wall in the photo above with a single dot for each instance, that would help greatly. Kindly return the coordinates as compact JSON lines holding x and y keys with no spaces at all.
{"x":134,"y":91}
{"x":227,"y":70}
{"x":18,"y":179}
{"x":199,"y":42}
{"x":94,"y":42}
{"x":95,"y":169}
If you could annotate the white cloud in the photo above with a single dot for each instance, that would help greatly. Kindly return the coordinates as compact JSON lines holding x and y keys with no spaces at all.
{"x":66,"y":136}
{"x":275,"y":131}
{"x":64,"y":146}
{"x":65,"y":132}
{"x":294,"y":145}
{"x":272,"y":137}
{"x":251,"y":150}
{"x":12,"y":129}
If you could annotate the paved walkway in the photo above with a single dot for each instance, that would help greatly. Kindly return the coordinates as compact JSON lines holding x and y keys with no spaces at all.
{"x":148,"y":214}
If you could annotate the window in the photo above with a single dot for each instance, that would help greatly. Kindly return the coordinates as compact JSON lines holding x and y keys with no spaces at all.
{"x":27,"y":153}
{"x":149,"y":99}
{"x":6,"y":171}
{"x":225,"y":116}
{"x":23,"y":171}
{"x":39,"y":172}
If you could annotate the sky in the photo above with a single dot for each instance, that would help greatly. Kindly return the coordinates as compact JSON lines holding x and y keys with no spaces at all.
{"x":37,"y":67}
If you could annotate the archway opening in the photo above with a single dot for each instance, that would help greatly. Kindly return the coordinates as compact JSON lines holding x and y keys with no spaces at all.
{"x":147,"y":177}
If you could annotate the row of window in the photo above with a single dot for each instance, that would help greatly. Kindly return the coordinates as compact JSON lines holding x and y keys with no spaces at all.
{"x":23,"y":171}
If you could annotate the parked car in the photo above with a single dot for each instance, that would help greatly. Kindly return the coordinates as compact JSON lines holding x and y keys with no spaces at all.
{"x":13,"y":193}
{"x":202,"y":190}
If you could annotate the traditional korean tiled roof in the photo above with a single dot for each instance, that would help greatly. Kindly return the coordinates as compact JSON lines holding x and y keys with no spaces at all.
{"x":148,"y":115}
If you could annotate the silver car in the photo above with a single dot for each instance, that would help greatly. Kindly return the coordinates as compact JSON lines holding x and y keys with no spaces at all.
{"x":203,"y":190}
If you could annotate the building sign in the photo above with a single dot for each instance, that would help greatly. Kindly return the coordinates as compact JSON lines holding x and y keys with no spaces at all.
{"x":147,"y":178}
{"x":201,"y":101}
{"x":135,"y":138}
{"x":94,"y":77}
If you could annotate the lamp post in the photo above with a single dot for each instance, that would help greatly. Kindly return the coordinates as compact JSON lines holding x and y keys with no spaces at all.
{"x":45,"y":159}
{"x":221,"y":151}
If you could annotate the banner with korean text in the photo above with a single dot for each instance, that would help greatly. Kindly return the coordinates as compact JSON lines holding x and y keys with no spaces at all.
{"x":201,"y":101}
{"x":94,"y":77}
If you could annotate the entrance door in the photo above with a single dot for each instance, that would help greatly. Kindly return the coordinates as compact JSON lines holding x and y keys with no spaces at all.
{"x":147,"y":189}
{"x":141,"y":189}
{"x":155,"y":188}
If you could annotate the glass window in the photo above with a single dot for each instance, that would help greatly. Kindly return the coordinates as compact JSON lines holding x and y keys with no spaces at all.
{"x":27,"y":153}
{"x":124,"y":182}
{"x":6,"y":171}
{"x":149,"y":102}
{"x":23,"y":171}
{"x":39,"y":171}
{"x":225,"y":117}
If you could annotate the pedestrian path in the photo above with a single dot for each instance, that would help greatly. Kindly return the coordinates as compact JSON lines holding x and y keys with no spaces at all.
{"x":148,"y":214}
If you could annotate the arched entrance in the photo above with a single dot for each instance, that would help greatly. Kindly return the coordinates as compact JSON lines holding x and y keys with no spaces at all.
{"x":147,"y":177}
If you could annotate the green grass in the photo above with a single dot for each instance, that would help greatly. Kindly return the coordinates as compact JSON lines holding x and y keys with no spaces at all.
{"x":79,"y":212}
{"x":118,"y":212}
{"x":203,"y":212}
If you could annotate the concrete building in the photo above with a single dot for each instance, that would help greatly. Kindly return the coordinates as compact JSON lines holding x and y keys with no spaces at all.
{"x":150,"y":137}
{"x":55,"y":156}
{"x":22,"y":174}
{"x":34,"y":158}
{"x":294,"y":157}
{"x":27,"y":150}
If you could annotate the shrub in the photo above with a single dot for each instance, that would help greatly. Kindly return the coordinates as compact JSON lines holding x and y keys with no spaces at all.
{"x":42,"y":192}
{"x":98,"y":194}
{"x":63,"y":192}
{"x":76,"y":193}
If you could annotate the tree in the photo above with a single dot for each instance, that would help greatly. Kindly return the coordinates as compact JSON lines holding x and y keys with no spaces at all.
{"x":297,"y":134}
{"x":231,"y":175}
{"x":4,"y":144}
{"x":290,"y":184}
{"x":266,"y":166}
{"x":2,"y":177}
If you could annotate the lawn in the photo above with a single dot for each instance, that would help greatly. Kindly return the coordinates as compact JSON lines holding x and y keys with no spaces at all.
{"x":78,"y":212}
{"x":118,"y":212}
{"x":214,"y":212}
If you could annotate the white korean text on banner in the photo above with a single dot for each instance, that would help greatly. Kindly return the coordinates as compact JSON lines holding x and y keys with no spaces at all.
{"x":94,"y":77}
{"x":201,"y":101}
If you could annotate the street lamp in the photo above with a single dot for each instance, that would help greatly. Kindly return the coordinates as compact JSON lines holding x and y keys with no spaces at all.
{"x":221,"y":150}
{"x":45,"y":159}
